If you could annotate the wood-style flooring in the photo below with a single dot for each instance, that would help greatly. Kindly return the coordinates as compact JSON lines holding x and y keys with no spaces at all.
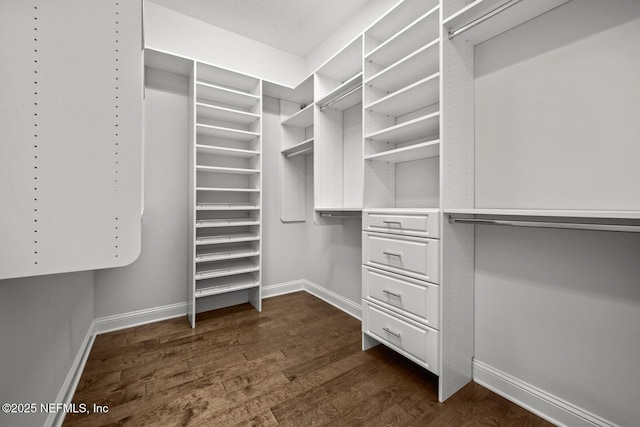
{"x":298,"y":363}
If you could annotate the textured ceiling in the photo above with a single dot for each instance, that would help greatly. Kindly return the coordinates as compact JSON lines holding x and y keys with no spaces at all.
{"x":295,"y":26}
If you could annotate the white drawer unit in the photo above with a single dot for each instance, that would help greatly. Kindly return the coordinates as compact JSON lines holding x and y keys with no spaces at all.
{"x":411,"y":256}
{"x":418,"y":343}
{"x":412,"y":298}
{"x":425,"y":223}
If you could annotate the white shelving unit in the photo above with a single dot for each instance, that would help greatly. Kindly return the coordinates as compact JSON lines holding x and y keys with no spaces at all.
{"x":338,"y":139}
{"x":226,"y":186}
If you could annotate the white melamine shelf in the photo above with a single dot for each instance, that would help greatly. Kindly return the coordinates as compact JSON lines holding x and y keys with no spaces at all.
{"x":514,"y":15}
{"x":167,"y":62}
{"x":414,"y":67}
{"x":226,"y":222}
{"x":226,"y":207}
{"x":227,"y":268}
{"x":226,"y":133}
{"x":417,"y":95}
{"x":226,"y":238}
{"x":228,"y":189}
{"x":401,"y":210}
{"x":423,"y":150}
{"x":305,"y":147}
{"x":551,"y":213}
{"x":225,"y":151}
{"x":302,"y":118}
{"x":344,"y":102}
{"x":413,"y":129}
{"x":219,"y":94}
{"x":392,"y":22}
{"x":407,"y":40}
{"x":224,"y":285}
{"x":221,"y":169}
{"x":214,"y":112}
{"x":345,"y":63}
{"x":225,"y":254}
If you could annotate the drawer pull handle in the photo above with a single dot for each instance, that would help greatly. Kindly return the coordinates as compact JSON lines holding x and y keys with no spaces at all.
{"x":390,"y":254}
{"x":393,"y":222}
{"x":399,"y":296}
{"x":397,"y":335}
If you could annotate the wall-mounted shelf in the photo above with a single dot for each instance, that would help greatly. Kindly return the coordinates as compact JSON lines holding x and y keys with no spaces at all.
{"x":484,"y":19}
{"x":408,"y":99}
{"x":412,"y":129}
{"x":226,"y":133}
{"x":423,"y":150}
{"x":226,"y":151}
{"x":221,"y":169}
{"x":408,"y":70}
{"x":215,"y":112}
{"x":222,"y":95}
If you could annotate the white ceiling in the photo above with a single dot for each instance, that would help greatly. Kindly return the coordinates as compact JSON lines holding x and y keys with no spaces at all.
{"x":295,"y":26}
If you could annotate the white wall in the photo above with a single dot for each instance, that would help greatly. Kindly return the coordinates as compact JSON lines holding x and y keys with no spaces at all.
{"x":43,"y":323}
{"x":182,"y":35}
{"x":159,"y":276}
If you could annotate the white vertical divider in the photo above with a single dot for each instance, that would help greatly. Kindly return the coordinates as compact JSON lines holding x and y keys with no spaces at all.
{"x":71,"y":149}
{"x":191,"y":287}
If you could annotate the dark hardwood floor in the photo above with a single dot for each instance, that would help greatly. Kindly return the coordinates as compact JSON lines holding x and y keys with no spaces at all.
{"x":298,"y":363}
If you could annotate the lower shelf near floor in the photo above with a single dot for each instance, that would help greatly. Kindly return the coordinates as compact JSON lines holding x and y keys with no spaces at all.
{"x":221,"y":285}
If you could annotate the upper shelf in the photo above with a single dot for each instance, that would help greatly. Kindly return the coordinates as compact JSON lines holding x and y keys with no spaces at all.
{"x":344,"y":96}
{"x":417,"y":95}
{"x":419,"y":64}
{"x":484,"y":19}
{"x":302,"y":118}
{"x":206,"y":91}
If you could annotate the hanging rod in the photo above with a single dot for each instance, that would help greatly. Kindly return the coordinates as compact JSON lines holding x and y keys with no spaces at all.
{"x":341,"y":97}
{"x":548,"y":224}
{"x":296,"y":153}
{"x":453,"y":33}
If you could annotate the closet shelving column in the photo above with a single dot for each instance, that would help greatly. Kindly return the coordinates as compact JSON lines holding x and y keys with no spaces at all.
{"x":226,"y":187}
{"x":338,"y":134}
{"x":401,"y":221}
{"x":296,"y":115}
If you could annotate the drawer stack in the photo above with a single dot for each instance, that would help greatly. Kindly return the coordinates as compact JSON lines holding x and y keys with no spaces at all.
{"x":400,"y":277}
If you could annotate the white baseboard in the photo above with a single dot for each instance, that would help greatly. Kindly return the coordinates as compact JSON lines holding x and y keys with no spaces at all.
{"x":282,"y":288}
{"x":140,"y":317}
{"x":73,"y":377}
{"x":338,"y":301}
{"x":550,"y":407}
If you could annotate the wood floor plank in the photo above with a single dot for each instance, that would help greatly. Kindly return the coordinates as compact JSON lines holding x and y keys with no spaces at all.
{"x":298,"y":362}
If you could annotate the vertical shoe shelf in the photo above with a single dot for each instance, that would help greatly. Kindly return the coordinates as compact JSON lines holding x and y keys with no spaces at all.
{"x":226,"y":184}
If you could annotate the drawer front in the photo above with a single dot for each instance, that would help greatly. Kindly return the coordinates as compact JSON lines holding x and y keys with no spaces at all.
{"x":420,"y":224}
{"x":400,"y":335}
{"x":417,"y":300}
{"x":414,"y":257}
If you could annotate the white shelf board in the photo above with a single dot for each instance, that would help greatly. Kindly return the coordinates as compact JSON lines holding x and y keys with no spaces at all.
{"x":350,"y":100}
{"x":230,"y":268}
{"x":557,"y":213}
{"x":167,"y":62}
{"x":305,"y":147}
{"x":226,"y":207}
{"x":302,"y":118}
{"x":408,"y":39}
{"x":225,"y":114}
{"x":393,"y":21}
{"x":226,"y":133}
{"x":225,"y":77}
{"x":511,"y":17}
{"x":402,"y":210}
{"x":228,"y":190}
{"x":420,"y":94}
{"x":413,"y":129}
{"x":414,"y":67}
{"x":226,"y":222}
{"x":221,"y":169}
{"x":301,"y":94}
{"x":231,"y":284}
{"x":206,"y":91}
{"x":225,"y":254}
{"x":226,"y":238}
{"x":345,"y":63}
{"x":225,"y":151}
{"x":423,"y":150}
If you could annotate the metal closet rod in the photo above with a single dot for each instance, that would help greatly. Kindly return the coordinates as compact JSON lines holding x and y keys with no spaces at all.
{"x":547,"y":224}
{"x":481,"y":19}
{"x":339,"y":98}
